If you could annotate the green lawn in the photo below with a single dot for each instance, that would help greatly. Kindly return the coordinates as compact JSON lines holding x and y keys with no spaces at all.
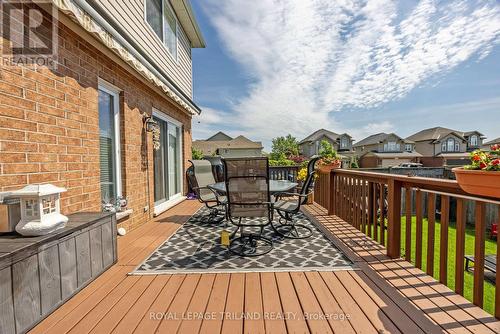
{"x":491,"y":246}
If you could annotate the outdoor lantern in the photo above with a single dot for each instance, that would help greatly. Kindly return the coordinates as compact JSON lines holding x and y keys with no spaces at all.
{"x":40,"y":209}
{"x":150,"y":123}
{"x":152,"y":126}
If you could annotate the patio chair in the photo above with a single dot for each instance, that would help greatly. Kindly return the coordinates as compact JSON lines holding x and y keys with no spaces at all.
{"x":248,"y":204}
{"x":288,"y":204}
{"x":199,"y":180}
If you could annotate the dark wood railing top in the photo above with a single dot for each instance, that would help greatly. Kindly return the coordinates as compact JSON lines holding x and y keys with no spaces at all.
{"x":444,"y":186}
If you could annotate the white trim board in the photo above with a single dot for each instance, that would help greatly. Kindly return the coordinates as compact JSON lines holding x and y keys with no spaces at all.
{"x":161,"y":208}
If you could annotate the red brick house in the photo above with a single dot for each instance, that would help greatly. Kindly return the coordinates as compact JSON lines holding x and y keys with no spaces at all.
{"x":81,"y":124}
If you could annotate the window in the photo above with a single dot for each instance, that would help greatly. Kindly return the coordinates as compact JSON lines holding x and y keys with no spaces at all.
{"x":408,"y":148}
{"x":344,"y":143}
{"x":473,"y":140}
{"x":109,"y":142}
{"x":450,"y":145}
{"x":154,"y":16}
{"x":457,"y":146}
{"x":161,"y":18}
{"x":391,"y":146}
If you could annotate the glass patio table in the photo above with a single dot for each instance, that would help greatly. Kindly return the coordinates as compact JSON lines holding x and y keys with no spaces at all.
{"x":275,"y":186}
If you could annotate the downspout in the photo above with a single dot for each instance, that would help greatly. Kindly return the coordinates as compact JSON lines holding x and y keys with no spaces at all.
{"x":145,"y":60}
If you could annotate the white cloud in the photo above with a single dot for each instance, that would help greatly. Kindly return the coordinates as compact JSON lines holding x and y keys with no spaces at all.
{"x":372,"y":128}
{"x":207,"y":123}
{"x":310,"y":58}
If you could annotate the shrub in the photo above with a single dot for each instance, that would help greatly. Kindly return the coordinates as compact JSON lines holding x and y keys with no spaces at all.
{"x":196,"y":154}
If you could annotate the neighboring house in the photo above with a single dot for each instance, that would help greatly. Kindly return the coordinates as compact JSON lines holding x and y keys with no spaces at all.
{"x":81,"y":125}
{"x":445,"y":147}
{"x":385,"y":150}
{"x":227,"y":147}
{"x":487,"y":145}
{"x":311,"y":145}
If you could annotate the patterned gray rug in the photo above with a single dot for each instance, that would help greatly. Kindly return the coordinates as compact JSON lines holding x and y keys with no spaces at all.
{"x":195,"y":248}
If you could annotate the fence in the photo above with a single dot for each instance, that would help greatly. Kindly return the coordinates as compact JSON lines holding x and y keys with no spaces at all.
{"x":372,"y":202}
{"x":284,"y":173}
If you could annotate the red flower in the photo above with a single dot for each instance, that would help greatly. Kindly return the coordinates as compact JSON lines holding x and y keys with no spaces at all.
{"x":476,"y":158}
{"x":495,"y":147}
{"x":495,"y":162}
{"x":482,"y":165}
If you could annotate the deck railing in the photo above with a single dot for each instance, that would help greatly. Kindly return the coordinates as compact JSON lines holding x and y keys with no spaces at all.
{"x":284,"y":173}
{"x":375,"y":203}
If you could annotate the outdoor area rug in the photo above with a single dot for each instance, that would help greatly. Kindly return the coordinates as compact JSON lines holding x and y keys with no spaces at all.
{"x":195,"y":248}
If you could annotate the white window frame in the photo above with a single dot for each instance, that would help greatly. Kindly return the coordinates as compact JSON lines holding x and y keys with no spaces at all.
{"x":474,"y":142}
{"x":344,"y":142}
{"x":165,"y":3}
{"x":392,"y":146}
{"x":408,"y":147}
{"x":448,"y":141}
{"x":115,"y":92}
{"x":177,"y":198}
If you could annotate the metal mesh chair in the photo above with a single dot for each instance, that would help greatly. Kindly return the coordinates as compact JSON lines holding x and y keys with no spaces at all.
{"x":288,"y":204}
{"x":248,"y":204}
{"x":199,"y":180}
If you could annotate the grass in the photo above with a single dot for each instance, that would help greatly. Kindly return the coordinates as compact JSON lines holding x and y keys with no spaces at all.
{"x":490,"y":248}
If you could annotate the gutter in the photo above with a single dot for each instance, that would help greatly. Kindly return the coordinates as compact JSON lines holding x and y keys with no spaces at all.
{"x":109,"y":23}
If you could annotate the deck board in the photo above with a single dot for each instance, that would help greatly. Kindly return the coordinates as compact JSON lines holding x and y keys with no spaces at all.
{"x":382,"y":295}
{"x":216,"y":305}
{"x":329,"y":304}
{"x":274,"y":322}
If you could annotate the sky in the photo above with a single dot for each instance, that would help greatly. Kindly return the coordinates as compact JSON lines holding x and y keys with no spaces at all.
{"x":278,"y":67}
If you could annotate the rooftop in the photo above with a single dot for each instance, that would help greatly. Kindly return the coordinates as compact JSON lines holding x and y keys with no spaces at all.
{"x":438,"y":132}
{"x":378,"y":138}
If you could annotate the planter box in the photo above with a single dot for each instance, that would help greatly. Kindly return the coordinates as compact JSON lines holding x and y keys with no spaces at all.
{"x":329,"y":168}
{"x":38,"y":274}
{"x":478,"y":182}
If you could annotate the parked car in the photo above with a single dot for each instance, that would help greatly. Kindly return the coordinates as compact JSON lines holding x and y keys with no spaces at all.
{"x":409,"y":165}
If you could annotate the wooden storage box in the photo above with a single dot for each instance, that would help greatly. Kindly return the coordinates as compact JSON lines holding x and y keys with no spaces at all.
{"x":38,"y":274}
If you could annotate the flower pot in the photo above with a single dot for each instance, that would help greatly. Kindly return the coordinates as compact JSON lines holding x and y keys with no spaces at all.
{"x":478,"y":182}
{"x":329,"y":167}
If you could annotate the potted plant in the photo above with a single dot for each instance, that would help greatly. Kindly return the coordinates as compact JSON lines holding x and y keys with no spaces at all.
{"x":329,"y":158}
{"x":301,"y":177}
{"x":482,"y":176}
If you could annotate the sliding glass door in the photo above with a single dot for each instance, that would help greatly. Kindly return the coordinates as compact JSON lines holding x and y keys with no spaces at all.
{"x":167,"y":161}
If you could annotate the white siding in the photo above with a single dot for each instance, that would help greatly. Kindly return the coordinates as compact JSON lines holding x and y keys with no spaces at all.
{"x":129,"y":14}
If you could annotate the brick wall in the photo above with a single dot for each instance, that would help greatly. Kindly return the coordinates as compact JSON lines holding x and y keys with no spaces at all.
{"x":432,"y":161}
{"x":368,"y":162}
{"x":49,"y":128}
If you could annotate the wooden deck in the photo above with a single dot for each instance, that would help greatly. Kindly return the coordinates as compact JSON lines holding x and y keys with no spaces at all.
{"x":383,"y":296}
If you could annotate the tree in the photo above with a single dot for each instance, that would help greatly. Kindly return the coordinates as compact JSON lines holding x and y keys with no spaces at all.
{"x":284,"y":147}
{"x":196,"y":154}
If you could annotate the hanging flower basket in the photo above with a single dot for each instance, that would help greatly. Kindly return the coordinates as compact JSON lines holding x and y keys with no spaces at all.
{"x":327,"y":168}
{"x":482,"y":176}
{"x":156,"y":138}
{"x":329,"y":158}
